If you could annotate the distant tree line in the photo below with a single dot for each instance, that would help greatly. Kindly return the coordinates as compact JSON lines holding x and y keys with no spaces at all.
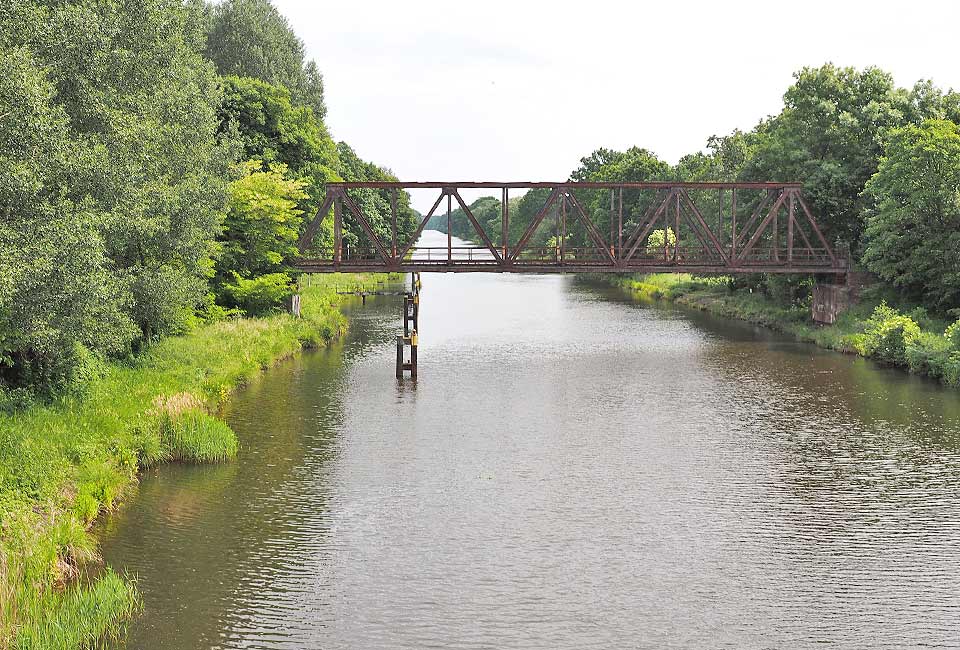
{"x":880,"y":167}
{"x":158,"y":161}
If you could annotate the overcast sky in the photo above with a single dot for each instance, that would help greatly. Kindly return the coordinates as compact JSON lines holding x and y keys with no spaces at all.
{"x":495,"y":90}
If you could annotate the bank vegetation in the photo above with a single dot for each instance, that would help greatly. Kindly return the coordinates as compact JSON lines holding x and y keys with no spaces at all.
{"x":881,"y":326}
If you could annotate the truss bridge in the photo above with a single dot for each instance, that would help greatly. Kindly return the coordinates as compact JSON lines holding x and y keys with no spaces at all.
{"x":575,"y":227}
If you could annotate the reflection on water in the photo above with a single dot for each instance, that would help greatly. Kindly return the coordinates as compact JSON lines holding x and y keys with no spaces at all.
{"x":571,"y":470}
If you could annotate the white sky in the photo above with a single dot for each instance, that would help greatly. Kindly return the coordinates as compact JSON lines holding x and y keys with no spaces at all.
{"x":496,"y":90}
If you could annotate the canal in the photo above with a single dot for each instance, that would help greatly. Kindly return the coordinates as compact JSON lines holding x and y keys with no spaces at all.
{"x":571,"y":470}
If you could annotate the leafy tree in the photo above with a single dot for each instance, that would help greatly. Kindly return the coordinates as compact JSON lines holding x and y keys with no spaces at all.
{"x":633,"y":165}
{"x":375,"y":204}
{"x":250,"y":38}
{"x":262,"y":224}
{"x":604,"y":165}
{"x":830,"y":137}
{"x":660,"y":238}
{"x":927,"y":102}
{"x":259,"y":295}
{"x":111,"y":208}
{"x":57,"y":297}
{"x":486,"y":210}
{"x":913,"y":224}
{"x":271,"y":128}
{"x":725,"y":158}
{"x":142,"y":102}
{"x":522,"y":215}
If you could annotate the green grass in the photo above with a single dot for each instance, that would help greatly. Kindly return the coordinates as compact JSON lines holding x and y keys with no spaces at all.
{"x":63,"y":463}
{"x":929,"y":353}
{"x":195,"y":436}
{"x":81,"y":617}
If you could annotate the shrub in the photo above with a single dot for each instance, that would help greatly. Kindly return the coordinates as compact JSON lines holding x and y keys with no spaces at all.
{"x":948,"y":369}
{"x":887,"y":335}
{"x":261,"y":294}
{"x":928,"y":354}
{"x":952,"y":334}
{"x":656,"y":243}
{"x":950,"y":373}
{"x":788,"y":289}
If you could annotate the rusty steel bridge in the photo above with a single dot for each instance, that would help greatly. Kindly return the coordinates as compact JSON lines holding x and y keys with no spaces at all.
{"x":719,"y":228}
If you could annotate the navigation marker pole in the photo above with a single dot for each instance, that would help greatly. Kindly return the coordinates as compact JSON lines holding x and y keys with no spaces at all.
{"x":411,"y":321}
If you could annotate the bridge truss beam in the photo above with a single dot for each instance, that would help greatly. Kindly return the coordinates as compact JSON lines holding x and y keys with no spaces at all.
{"x":704,"y":228}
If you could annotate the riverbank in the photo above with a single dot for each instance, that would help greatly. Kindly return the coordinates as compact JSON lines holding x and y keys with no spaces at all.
{"x":907,"y":338}
{"x":64,"y":463}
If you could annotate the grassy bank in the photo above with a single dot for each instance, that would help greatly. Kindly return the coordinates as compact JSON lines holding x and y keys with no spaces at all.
{"x":63,"y":463}
{"x":906,"y":337}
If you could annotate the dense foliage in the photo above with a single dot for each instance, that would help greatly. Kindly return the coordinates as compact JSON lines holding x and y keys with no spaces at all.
{"x":250,"y":38}
{"x":142,"y":192}
{"x":913,"y":225}
{"x":113,"y":201}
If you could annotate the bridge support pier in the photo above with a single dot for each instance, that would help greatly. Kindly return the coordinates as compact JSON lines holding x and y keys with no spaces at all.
{"x":411,"y":321}
{"x":831,"y":300}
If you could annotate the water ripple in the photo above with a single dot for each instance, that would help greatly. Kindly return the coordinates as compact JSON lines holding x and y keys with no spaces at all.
{"x":571,"y":471}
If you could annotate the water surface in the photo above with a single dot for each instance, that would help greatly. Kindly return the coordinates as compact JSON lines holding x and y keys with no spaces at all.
{"x":571,"y":470}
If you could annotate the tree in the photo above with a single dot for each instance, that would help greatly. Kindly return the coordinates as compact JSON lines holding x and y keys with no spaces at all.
{"x":142,"y":102}
{"x":58,"y":299}
{"x":913,"y":223}
{"x":830,"y":137}
{"x":106,"y":181}
{"x":486,"y":210}
{"x":250,"y":38}
{"x":603,"y":165}
{"x":270,"y":128}
{"x":375,"y":204}
{"x":660,"y":240}
{"x":725,"y":158}
{"x":262,"y":224}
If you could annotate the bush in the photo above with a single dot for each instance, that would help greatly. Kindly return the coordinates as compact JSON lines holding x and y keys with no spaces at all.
{"x":887,"y":336}
{"x":788,"y":289}
{"x":259,"y":295}
{"x":950,"y":373}
{"x":913,"y":213}
{"x":656,"y":243}
{"x":211,"y":312}
{"x":928,"y":354}
{"x":952,"y":334}
{"x":938,"y":356}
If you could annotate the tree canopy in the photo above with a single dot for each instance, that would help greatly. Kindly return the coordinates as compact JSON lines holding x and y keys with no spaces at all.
{"x":250,"y":38}
{"x":913,"y":222}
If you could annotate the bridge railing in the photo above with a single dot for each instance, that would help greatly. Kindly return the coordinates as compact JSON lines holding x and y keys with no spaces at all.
{"x":709,"y":227}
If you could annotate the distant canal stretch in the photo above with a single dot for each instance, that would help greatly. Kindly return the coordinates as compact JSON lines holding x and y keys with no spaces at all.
{"x":571,"y":470}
